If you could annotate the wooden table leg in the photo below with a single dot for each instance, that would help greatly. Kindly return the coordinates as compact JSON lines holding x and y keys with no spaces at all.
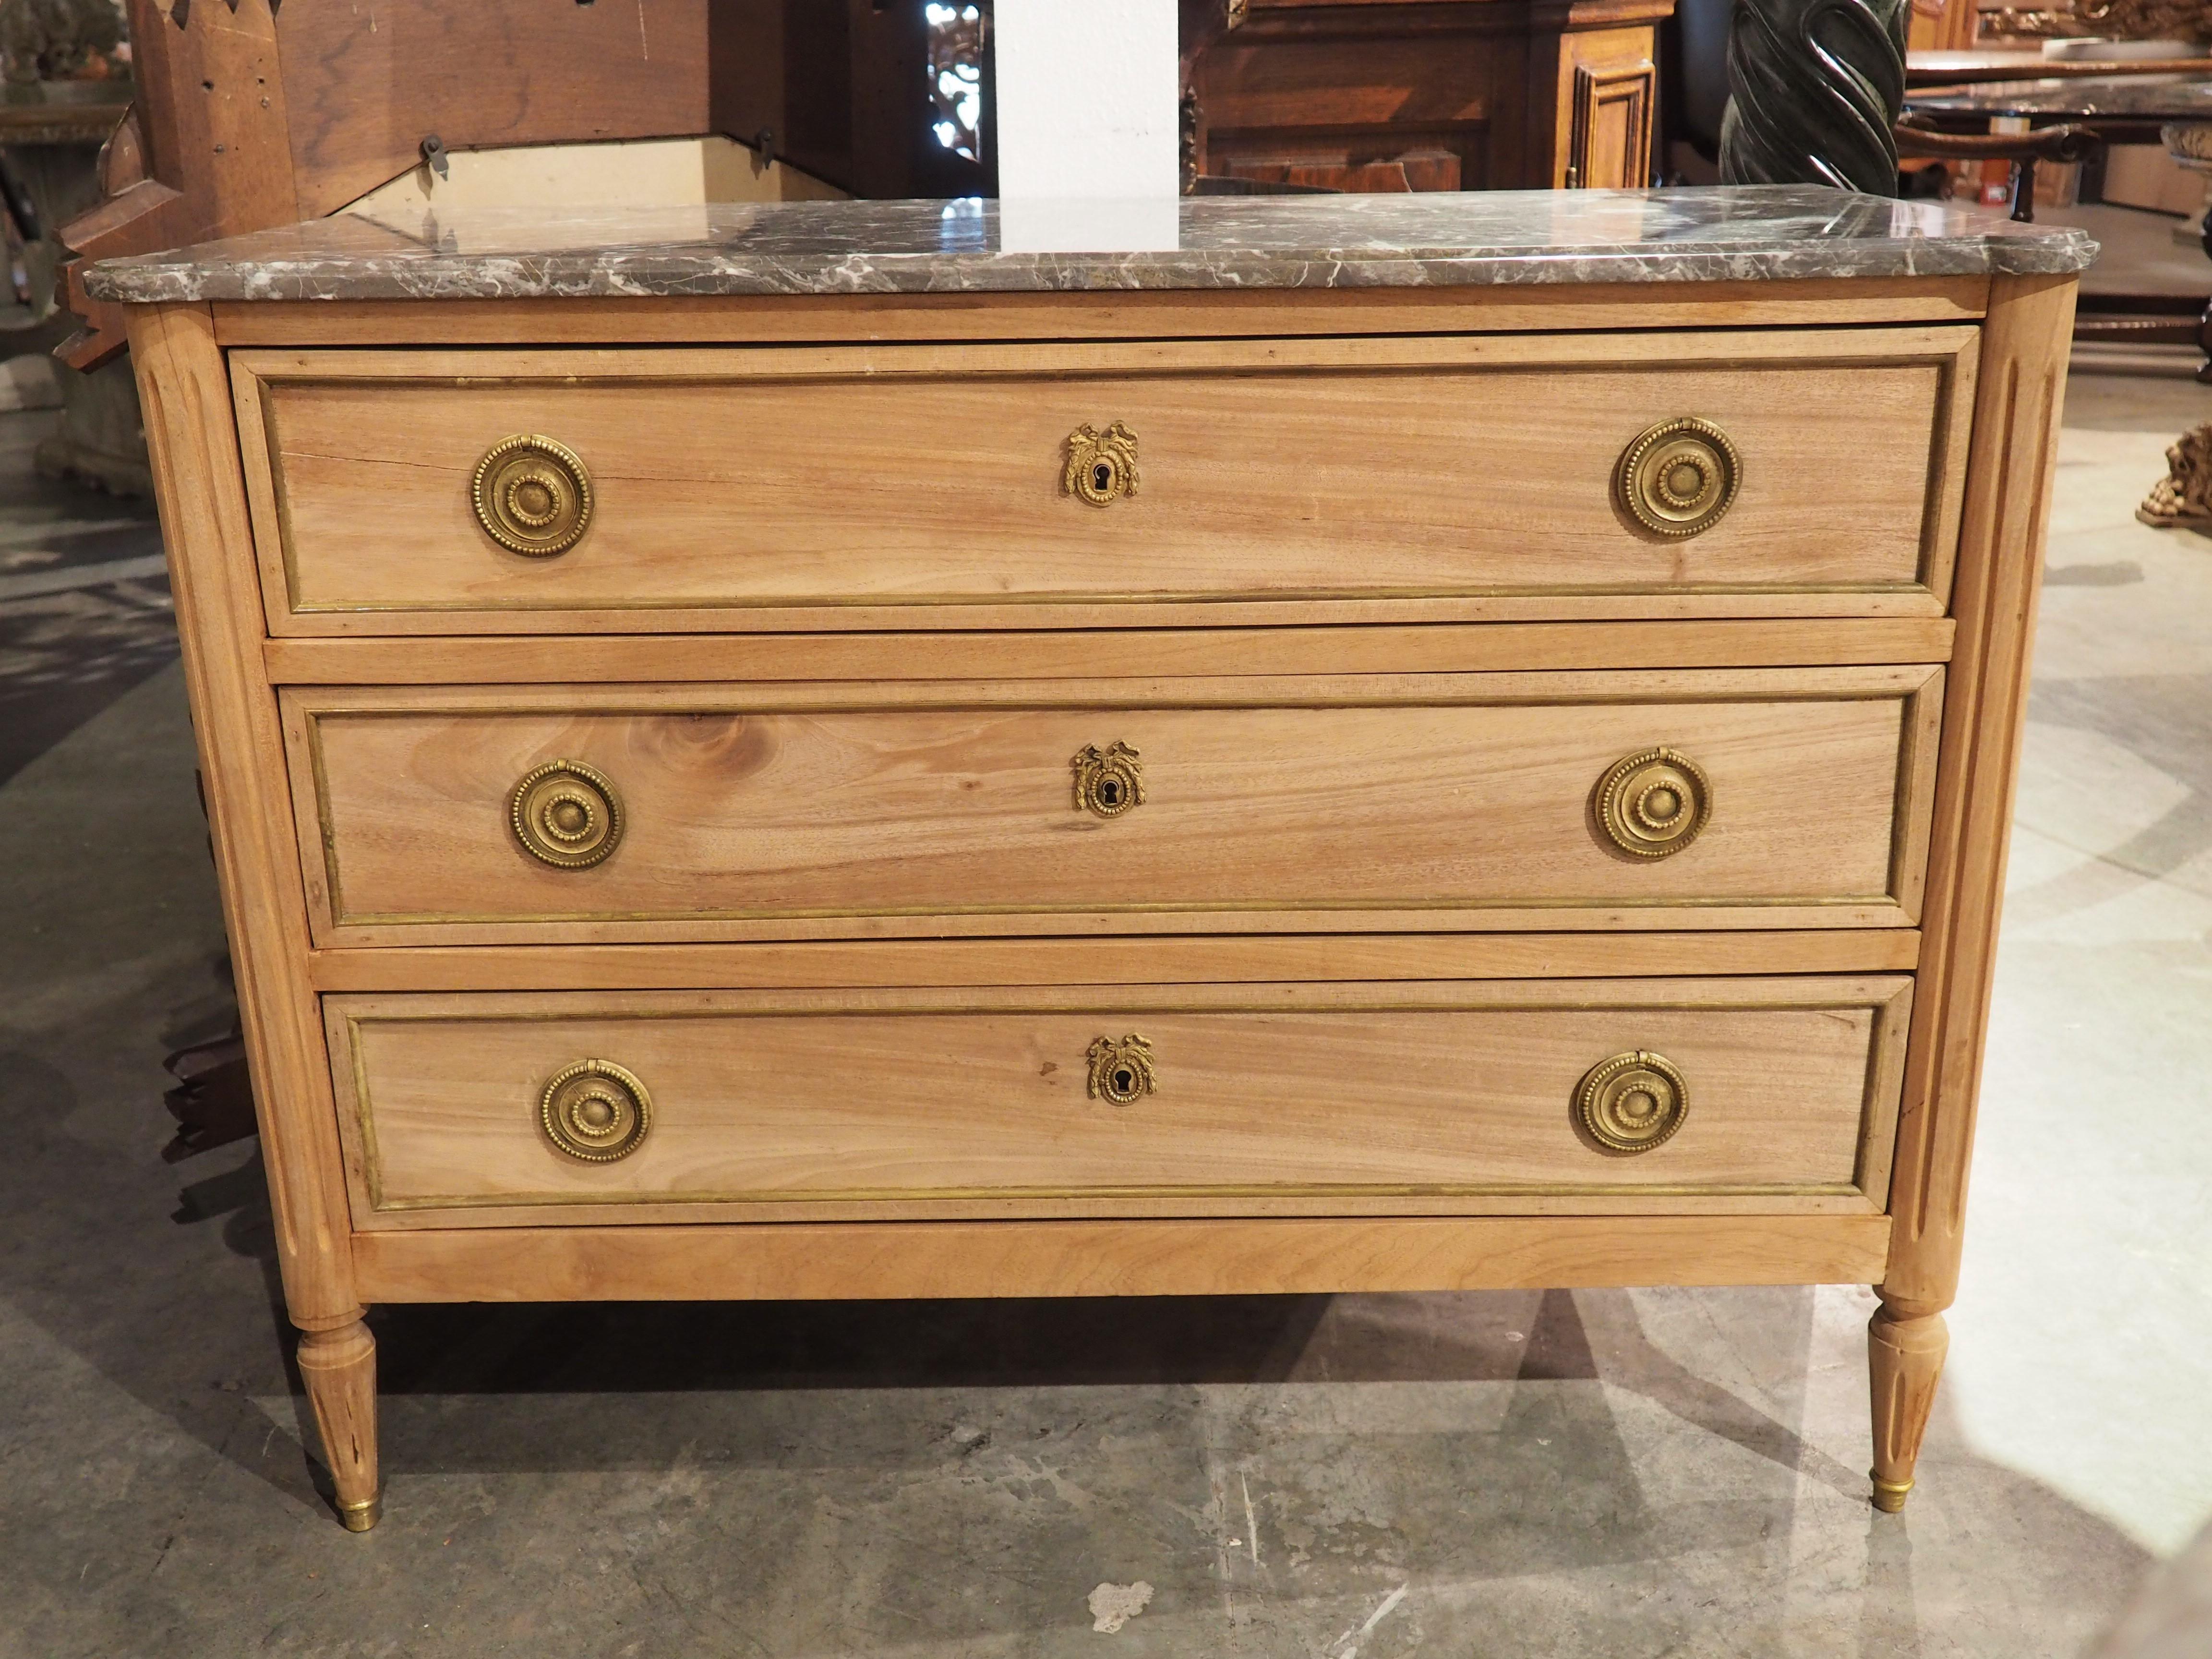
{"x":184,"y":390}
{"x":2018,"y":394}
{"x":1904,"y":1356}
{"x":340,"y":1368}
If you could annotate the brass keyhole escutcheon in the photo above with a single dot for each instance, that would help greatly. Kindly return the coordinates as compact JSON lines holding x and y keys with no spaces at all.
{"x":1632,"y":1101}
{"x":1679,"y":477}
{"x":595,"y":1111}
{"x":532,"y":495}
{"x":1653,"y":803}
{"x":566,"y":814}
{"x":1109,"y":782}
{"x":1101,"y":467}
{"x":1121,"y":1072}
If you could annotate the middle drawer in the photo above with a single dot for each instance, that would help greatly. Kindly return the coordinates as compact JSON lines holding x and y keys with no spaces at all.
{"x":1762,"y":798}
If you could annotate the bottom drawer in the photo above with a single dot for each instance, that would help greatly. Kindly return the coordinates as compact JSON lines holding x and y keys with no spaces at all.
{"x":1371,"y":1098}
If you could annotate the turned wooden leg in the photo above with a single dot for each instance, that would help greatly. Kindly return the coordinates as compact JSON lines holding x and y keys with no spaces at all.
{"x":2019,"y":392}
{"x":340,"y":1368}
{"x":1904,"y":1355}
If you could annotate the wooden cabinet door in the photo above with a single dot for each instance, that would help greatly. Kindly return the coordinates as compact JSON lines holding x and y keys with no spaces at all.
{"x":1607,"y":94}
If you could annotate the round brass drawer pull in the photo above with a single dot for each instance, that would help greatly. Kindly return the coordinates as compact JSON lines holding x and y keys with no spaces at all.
{"x":1653,"y":803}
{"x":595,"y":1111}
{"x":532,"y":495}
{"x":1632,"y":1101}
{"x":1679,"y":477}
{"x":1102,"y":467}
{"x":1121,"y":1072}
{"x":1109,"y":782}
{"x":566,"y":814}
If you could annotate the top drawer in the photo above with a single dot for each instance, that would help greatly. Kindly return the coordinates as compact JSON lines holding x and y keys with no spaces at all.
{"x":1042,"y":485}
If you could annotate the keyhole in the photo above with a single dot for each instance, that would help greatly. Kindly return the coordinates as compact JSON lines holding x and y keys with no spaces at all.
{"x":1101,"y":478}
{"x":1111,"y":792}
{"x":1124,"y":1082}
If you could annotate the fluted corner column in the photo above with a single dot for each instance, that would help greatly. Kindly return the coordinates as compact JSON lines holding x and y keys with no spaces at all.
{"x":1814,"y":90}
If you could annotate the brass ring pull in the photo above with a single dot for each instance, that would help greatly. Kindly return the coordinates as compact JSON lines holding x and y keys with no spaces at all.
{"x":1109,"y":782}
{"x":1654,"y":803}
{"x":1121,"y":1072}
{"x":1632,"y":1101}
{"x":1679,"y":477}
{"x":595,"y":1111}
{"x":1101,"y":468}
{"x":566,"y":814}
{"x":532,"y":495}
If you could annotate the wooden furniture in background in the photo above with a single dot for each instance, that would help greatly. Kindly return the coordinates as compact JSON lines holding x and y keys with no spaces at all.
{"x":50,"y":134}
{"x":1958,"y":69}
{"x":1255,"y":922}
{"x":1940,"y":27}
{"x":249,"y":116}
{"x":2117,"y":107}
{"x":1423,"y":94}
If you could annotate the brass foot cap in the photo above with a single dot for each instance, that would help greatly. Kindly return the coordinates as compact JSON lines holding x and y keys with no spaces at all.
{"x":1889,"y":1496}
{"x":360,"y":1517}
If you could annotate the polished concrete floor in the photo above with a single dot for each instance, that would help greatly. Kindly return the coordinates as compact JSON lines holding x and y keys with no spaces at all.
{"x":1617,"y":1474}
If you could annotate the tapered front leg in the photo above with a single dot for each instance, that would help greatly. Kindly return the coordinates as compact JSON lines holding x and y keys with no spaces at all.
{"x":192,"y":427}
{"x":2018,"y":392}
{"x":340,"y":1368}
{"x":1904,"y":1355}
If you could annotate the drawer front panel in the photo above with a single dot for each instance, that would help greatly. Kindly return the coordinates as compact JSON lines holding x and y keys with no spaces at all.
{"x":1412,"y":1097}
{"x":914,"y":478}
{"x":1475,"y":793}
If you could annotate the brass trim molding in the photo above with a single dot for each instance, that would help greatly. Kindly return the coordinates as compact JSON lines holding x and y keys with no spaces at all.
{"x":743,"y":1200}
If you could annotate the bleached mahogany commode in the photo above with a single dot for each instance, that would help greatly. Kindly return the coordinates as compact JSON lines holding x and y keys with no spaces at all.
{"x":1414,"y":743}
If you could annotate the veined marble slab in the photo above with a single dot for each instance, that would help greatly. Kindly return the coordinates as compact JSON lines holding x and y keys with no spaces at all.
{"x":1472,"y":239}
{"x":2143,"y":98}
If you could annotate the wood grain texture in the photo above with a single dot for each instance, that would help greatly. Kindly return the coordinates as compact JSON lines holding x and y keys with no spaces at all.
{"x":185,"y":399}
{"x":1606,"y":92}
{"x":1999,"y":572}
{"x":898,"y":476}
{"x":1147,"y":961}
{"x":1913,"y":603}
{"x":338,"y":1368}
{"x":1376,"y":1093}
{"x":208,"y":126}
{"x":868,"y":1261}
{"x":1357,"y":1092}
{"x":1377,"y":97}
{"x":1904,"y":1361}
{"x":1441,"y":794}
{"x":1108,"y":653}
{"x":479,"y":76}
{"x":1154,"y":314}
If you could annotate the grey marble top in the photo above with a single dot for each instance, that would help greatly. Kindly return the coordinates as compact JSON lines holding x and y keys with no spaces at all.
{"x":1474,"y":239}
{"x":2140,"y":97}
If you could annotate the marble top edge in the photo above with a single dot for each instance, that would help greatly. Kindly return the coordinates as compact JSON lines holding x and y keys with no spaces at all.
{"x":1474,"y":239}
